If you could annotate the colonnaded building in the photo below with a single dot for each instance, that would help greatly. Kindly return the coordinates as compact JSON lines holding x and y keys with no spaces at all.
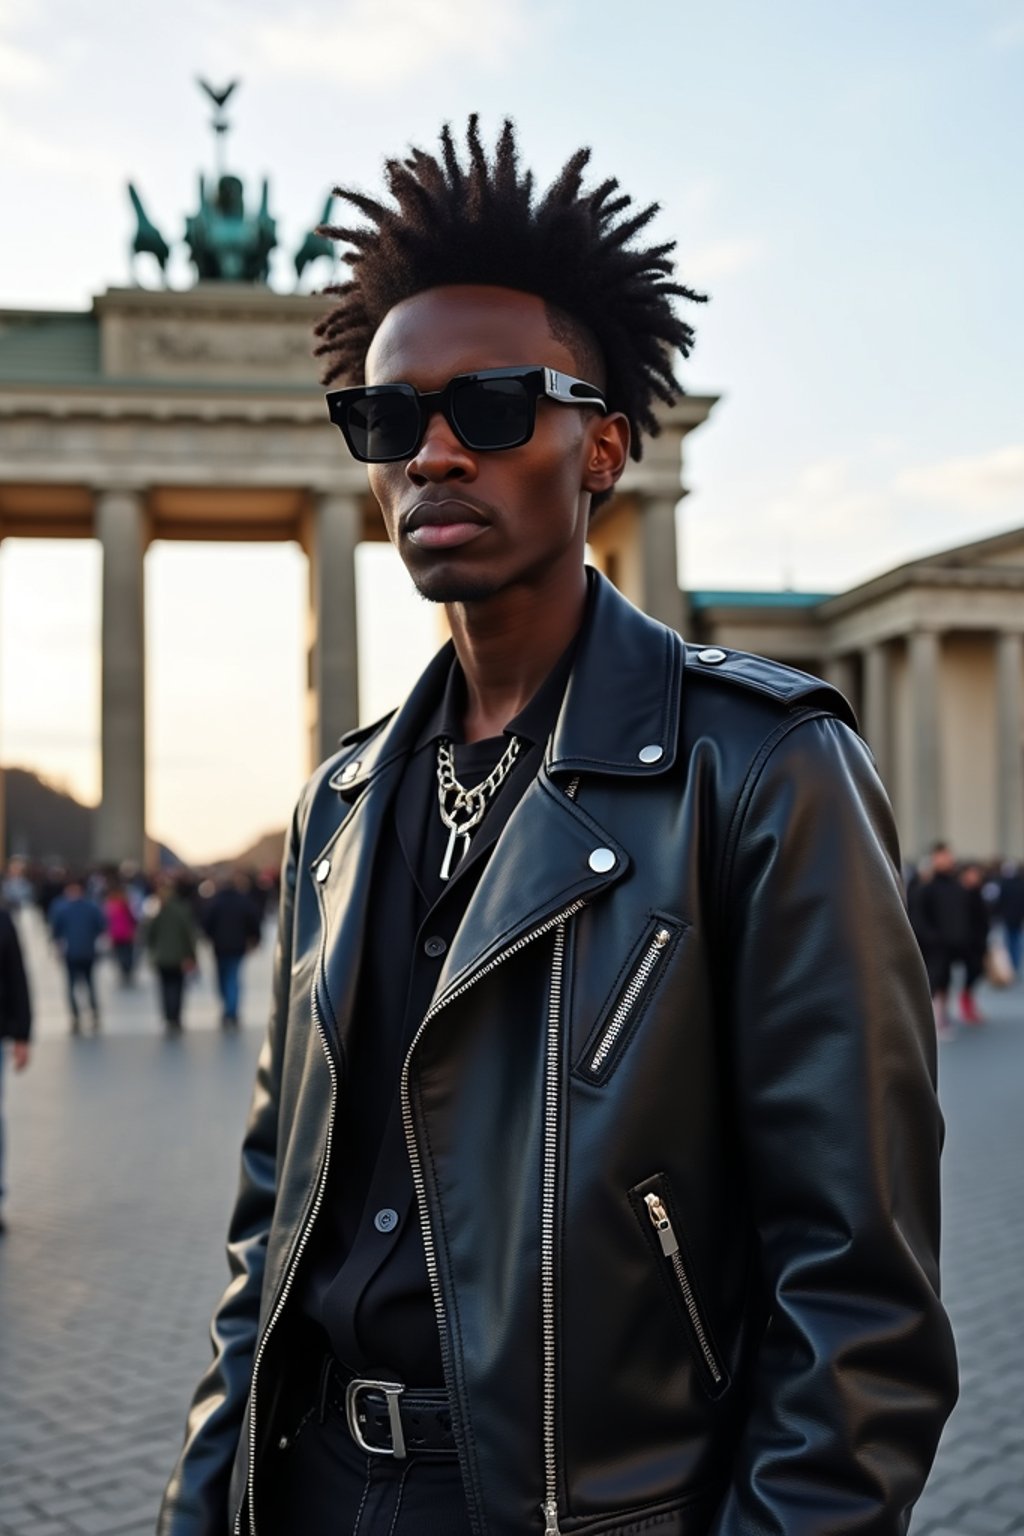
{"x":197,"y":415}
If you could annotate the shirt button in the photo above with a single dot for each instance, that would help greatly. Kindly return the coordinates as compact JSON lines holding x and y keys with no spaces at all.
{"x":434,"y":947}
{"x":386,"y":1220}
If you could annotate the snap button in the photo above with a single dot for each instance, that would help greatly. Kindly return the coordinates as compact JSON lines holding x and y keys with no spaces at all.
{"x":323,"y":869}
{"x":711,"y":656}
{"x":434,"y":946}
{"x":349,"y":772}
{"x":651,"y":754}
{"x":386,"y":1220}
{"x":602,"y":860}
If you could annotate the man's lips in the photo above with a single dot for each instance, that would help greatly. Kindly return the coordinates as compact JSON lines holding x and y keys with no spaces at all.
{"x":443,"y":524}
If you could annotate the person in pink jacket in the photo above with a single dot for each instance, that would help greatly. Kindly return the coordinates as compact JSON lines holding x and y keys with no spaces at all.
{"x":122,"y":927}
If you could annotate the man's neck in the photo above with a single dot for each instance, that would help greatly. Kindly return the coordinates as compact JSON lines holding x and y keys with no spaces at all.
{"x":508,"y":645}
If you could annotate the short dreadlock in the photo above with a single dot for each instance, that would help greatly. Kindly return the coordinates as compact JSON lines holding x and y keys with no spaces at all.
{"x":480,"y":222}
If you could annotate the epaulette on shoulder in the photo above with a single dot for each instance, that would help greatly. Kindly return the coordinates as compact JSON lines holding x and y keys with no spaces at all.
{"x":772,"y":679}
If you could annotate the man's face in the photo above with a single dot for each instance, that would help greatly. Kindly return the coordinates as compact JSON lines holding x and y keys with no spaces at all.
{"x":517,"y":516}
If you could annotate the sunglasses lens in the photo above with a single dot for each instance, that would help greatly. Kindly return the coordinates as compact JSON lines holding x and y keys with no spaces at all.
{"x":493,"y":413}
{"x":383,"y":426}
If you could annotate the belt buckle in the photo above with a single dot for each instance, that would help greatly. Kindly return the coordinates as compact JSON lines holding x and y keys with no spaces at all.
{"x":392,"y":1391}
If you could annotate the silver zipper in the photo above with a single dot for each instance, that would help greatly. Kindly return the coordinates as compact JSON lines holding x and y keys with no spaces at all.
{"x":549,"y":1188}
{"x":630,"y":998}
{"x":290,"y":1277}
{"x":670,"y":1248}
{"x":429,"y":1250}
{"x":550,"y":1152}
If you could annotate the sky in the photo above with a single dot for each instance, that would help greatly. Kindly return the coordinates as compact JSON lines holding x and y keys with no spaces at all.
{"x":844,"y":180}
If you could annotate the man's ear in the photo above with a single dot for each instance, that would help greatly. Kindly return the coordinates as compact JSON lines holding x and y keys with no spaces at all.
{"x":606,"y":453}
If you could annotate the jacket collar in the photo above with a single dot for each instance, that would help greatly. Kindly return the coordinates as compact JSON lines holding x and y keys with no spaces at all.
{"x":622,"y":705}
{"x":621,"y":709}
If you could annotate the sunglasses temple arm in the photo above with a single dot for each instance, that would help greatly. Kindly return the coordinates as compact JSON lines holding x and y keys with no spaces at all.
{"x":569,"y":391}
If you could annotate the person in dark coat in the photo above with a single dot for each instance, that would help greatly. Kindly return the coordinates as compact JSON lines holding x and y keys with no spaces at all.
{"x":15,"y":1016}
{"x":978,"y":920}
{"x":231,"y":922}
{"x":940,"y":915}
{"x":77,"y":922}
{"x":1010,"y":911}
{"x":171,"y":945}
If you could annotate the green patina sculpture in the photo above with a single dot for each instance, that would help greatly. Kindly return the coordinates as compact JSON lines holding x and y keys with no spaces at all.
{"x":225,"y":243}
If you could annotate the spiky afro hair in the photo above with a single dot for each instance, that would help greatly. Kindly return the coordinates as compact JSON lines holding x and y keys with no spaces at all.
{"x":479,"y":220}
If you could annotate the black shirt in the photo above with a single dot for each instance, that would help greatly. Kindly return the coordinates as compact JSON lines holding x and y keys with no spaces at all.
{"x":367,"y":1284}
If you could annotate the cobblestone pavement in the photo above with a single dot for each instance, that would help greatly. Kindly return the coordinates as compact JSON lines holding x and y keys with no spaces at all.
{"x":122,"y":1159}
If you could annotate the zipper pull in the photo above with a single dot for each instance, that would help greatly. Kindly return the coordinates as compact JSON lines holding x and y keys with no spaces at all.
{"x":549,"y":1509}
{"x":659,"y":1219}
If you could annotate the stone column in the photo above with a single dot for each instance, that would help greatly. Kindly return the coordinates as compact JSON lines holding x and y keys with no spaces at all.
{"x":876,"y":708}
{"x":924,"y":655}
{"x":335,"y":530}
{"x":839,"y":672}
{"x":121,"y":816}
{"x":659,"y":577}
{"x":1010,"y":744}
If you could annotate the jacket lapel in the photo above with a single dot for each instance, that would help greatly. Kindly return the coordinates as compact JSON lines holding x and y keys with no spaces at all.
{"x":542,"y":864}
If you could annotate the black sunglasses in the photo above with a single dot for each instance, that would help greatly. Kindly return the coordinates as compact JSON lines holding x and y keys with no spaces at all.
{"x":493,"y":409}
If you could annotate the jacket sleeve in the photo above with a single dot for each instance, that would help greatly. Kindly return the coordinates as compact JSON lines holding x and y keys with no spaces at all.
{"x":196,"y":1500}
{"x":834,"y":1061}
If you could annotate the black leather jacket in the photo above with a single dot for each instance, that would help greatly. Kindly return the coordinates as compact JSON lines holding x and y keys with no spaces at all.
{"x":671,"y":1116}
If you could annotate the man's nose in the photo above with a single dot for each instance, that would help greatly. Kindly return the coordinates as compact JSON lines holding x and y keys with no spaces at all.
{"x":440,"y":456}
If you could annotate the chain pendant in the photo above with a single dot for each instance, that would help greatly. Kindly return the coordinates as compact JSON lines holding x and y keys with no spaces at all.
{"x":446,"y":864}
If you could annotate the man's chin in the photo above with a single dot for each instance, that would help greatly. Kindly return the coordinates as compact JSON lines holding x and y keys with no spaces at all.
{"x":440,"y":586}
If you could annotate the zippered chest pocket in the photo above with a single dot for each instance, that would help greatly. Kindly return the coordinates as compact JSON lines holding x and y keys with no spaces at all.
{"x":652,"y":1202}
{"x":630,"y":999}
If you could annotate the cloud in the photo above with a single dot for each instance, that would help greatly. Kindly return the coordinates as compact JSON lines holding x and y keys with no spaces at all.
{"x":21,"y":68}
{"x":379,"y":47}
{"x":979,"y":480}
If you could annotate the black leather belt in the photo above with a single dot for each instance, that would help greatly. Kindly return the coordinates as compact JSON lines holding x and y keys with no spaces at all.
{"x":386,"y":1418}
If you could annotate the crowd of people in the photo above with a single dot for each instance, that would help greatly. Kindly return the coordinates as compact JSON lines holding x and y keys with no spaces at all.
{"x":969,"y":922}
{"x":124,"y":915}
{"x":127,"y":915}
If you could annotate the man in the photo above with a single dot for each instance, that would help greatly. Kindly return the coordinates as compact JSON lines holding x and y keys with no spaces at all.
{"x":231,"y":922}
{"x":15,"y":1018}
{"x":940,"y":913}
{"x":77,"y":923}
{"x":171,"y":946}
{"x":591,"y":1177}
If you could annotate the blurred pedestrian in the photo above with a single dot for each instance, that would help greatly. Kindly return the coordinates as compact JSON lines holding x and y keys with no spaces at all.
{"x":978,"y":922}
{"x":940,"y":917}
{"x":77,"y":923}
{"x":231,"y":922}
{"x":171,"y":945}
{"x":1010,"y":911}
{"x":123,"y":926}
{"x":15,"y":1017}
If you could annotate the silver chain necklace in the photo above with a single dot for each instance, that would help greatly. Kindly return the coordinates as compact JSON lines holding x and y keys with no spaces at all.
{"x":454,"y":800}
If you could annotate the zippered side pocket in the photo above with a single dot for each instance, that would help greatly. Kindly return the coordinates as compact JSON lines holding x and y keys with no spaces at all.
{"x":618,"y":1021}
{"x":652,"y":1202}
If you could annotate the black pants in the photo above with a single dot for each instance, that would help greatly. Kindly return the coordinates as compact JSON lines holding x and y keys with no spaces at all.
{"x":324,"y":1485}
{"x":172,"y":982}
{"x":80,"y":972}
